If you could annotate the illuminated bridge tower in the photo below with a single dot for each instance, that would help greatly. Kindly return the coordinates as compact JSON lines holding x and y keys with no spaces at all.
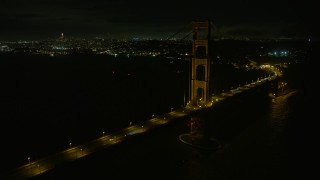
{"x":200,"y":68}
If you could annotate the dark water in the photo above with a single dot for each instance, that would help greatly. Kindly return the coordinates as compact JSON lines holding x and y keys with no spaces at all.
{"x":48,"y":102}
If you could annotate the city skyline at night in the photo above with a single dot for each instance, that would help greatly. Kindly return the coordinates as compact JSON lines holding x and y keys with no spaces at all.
{"x":164,"y":89}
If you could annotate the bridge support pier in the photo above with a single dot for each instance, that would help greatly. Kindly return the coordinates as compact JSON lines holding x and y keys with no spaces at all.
{"x":200,"y":68}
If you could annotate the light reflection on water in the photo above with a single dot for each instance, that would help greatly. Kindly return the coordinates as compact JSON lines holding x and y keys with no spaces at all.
{"x":280,"y":111}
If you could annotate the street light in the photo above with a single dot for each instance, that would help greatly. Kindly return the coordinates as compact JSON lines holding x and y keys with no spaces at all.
{"x":103,"y":133}
{"x":29,"y":159}
{"x":70,"y":144}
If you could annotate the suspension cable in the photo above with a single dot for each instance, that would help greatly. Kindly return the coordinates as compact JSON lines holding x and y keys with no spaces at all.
{"x":178,"y":31}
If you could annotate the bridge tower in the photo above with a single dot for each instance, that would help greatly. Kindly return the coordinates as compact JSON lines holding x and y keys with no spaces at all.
{"x":200,"y":65}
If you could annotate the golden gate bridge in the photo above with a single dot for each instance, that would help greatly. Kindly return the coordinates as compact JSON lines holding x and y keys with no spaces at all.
{"x":200,"y":99}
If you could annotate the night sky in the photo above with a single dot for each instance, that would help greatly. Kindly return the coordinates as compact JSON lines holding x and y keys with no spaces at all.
{"x":40,"y":19}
